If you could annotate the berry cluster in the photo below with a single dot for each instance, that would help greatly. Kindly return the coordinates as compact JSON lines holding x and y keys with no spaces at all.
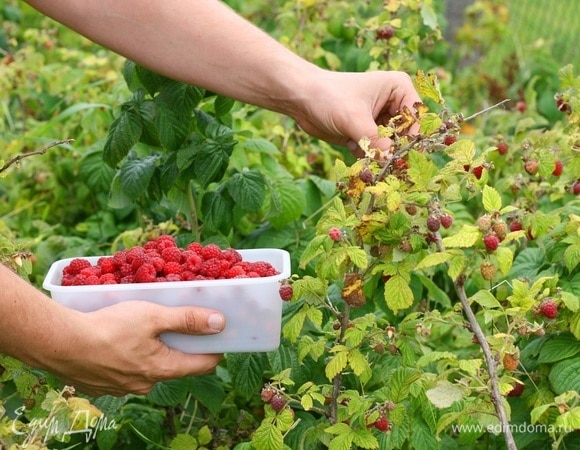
{"x":162,"y":260}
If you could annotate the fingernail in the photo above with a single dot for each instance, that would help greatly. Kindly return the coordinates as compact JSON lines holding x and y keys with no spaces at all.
{"x":216,"y":321}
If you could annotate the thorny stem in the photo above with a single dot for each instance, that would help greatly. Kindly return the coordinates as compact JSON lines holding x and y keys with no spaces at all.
{"x":489,"y":108}
{"x":42,"y":151}
{"x":491,"y":363}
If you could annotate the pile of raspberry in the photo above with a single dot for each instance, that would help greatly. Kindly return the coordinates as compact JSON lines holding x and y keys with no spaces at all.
{"x":161,"y":260}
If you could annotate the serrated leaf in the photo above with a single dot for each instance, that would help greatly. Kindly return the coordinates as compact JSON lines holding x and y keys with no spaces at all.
{"x":505,"y":258}
{"x":428,"y":86}
{"x":124,"y":133}
{"x":291,"y":203}
{"x":572,"y":257}
{"x":398,"y":294}
{"x":135,"y":176}
{"x":434,"y":356}
{"x":466,"y":237}
{"x":337,"y":364}
{"x":223,"y":105}
{"x":268,"y":437}
{"x":357,"y":256}
{"x":258,"y":145}
{"x":485,"y":299}
{"x":247,"y":370}
{"x":433,"y":259}
{"x":211,"y":161}
{"x":183,"y":442}
{"x":247,"y":189}
{"x":364,"y":439}
{"x":209,"y":391}
{"x":491,"y":199}
{"x":559,"y":347}
{"x":444,"y":394}
{"x":462,"y":151}
{"x":217,"y":211}
{"x":170,"y":393}
{"x":171,"y":128}
{"x":565,"y":376}
{"x":359,"y":365}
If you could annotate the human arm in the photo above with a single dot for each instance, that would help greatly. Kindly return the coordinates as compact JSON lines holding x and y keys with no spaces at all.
{"x":205,"y":43}
{"x":114,"y":350}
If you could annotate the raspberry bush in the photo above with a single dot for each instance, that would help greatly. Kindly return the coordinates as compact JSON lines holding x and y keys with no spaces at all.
{"x":434,"y":288}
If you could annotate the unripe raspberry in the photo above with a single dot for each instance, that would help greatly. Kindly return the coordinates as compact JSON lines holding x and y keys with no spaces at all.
{"x":502,"y":147}
{"x":335,"y":234}
{"x":510,"y":362}
{"x":500,"y":229}
{"x":531,"y":167}
{"x":267,"y":394}
{"x":484,"y":223}
{"x":488,"y":271}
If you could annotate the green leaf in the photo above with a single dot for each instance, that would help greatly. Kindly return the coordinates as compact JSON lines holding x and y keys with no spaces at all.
{"x":171,"y":128}
{"x":170,"y":393}
{"x":217,"y":211}
{"x":505,"y":258}
{"x":209,"y":391}
{"x":433,"y":259}
{"x":559,"y":347}
{"x":290,"y":201}
{"x":466,"y":237}
{"x":421,"y":170}
{"x":565,"y":376}
{"x":337,"y":363}
{"x":431,"y":357}
{"x":258,"y":145}
{"x":97,"y":175}
{"x":211,"y":161}
{"x":183,"y":442}
{"x":436,"y":294}
{"x":357,"y":256}
{"x":398,"y":294}
{"x":422,"y":437}
{"x":429,"y":123}
{"x":491,"y":199}
{"x":444,"y":394}
{"x":246,"y":370}
{"x":268,"y":437}
{"x":124,"y":133}
{"x":223,"y":105}
{"x":136,"y":175}
{"x":486,"y":299}
{"x":247,"y":189}
{"x":364,"y":438}
{"x":359,"y":365}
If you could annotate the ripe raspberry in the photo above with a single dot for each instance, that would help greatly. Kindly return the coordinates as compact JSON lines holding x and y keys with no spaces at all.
{"x":76,"y":265}
{"x":558,"y":168}
{"x":382,"y":424}
{"x":172,"y":267}
{"x":500,"y":229}
{"x":531,"y":167}
{"x":107,"y":278}
{"x":517,"y":390}
{"x":491,"y":242}
{"x":510,"y":362}
{"x":91,"y":271}
{"x":139,"y":260}
{"x":263,"y":269}
{"x":146,"y":273}
{"x":433,"y":223}
{"x":478,"y":171}
{"x":502,"y":147}
{"x":120,"y":257}
{"x":173,"y":277}
{"x":521,"y":106}
{"x":446,"y":220}
{"x":235,"y":271}
{"x":286,"y":292}
{"x":171,"y":254}
{"x":576,"y":188}
{"x":449,"y":139}
{"x":232,"y":255}
{"x":165,"y":241}
{"x":91,"y":280}
{"x":128,"y":279}
{"x":385,"y":32}
{"x":488,"y":270}
{"x":212,"y":268}
{"x":516,"y":225}
{"x":549,"y":309}
{"x":107,"y":264}
{"x":335,"y":234}
{"x":278,"y":402}
{"x":211,"y":251}
{"x":195,"y":247}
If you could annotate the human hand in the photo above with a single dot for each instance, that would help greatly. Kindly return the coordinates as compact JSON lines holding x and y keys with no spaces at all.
{"x":117,"y":350}
{"x":341,"y":108}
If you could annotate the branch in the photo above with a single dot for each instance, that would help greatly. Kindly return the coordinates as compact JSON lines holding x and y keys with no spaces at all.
{"x":495,"y":395}
{"x":42,"y":151}
{"x":489,"y":108}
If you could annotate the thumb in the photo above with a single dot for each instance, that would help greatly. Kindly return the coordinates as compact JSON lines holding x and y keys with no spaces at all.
{"x":190,"y":320}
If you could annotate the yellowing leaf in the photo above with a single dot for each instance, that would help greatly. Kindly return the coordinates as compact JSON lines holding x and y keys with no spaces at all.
{"x":433,"y":259}
{"x":398,"y":294}
{"x":464,"y":238}
{"x":444,"y":394}
{"x":428,"y":86}
{"x":491,"y":199}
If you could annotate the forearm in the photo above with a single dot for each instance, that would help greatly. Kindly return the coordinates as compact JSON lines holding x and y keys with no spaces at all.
{"x":32,"y":326}
{"x":200,"y":42}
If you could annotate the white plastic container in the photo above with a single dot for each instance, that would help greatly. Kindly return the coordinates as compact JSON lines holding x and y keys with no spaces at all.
{"x":252,"y":306}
